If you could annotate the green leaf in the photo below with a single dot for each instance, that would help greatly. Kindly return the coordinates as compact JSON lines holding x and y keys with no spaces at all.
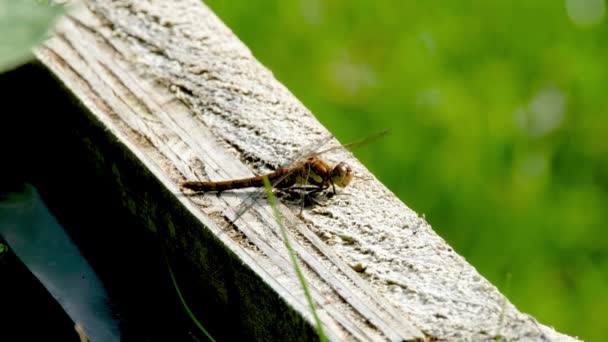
{"x":23,"y":25}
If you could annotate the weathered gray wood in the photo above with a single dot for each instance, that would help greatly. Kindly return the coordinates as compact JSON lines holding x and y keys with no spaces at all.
{"x":189,"y":101}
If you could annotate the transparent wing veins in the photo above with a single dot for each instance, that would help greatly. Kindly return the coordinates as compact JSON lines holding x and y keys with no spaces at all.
{"x":313,"y":149}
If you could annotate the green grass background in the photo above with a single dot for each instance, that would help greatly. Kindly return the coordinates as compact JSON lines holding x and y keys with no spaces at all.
{"x":499,"y":118}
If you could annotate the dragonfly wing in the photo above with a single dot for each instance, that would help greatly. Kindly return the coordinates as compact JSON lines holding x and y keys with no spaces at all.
{"x":354,"y":144}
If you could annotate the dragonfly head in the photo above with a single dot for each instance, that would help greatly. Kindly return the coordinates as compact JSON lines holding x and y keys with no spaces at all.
{"x":341,"y":174}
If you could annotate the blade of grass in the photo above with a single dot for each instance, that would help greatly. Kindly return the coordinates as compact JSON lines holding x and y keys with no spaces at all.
{"x":294,"y":260}
{"x":183,"y":301}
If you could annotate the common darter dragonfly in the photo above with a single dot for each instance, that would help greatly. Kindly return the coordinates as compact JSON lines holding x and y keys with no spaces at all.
{"x":309,"y":173}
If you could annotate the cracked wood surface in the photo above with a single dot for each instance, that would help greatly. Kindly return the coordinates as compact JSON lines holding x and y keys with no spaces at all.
{"x":189,"y":101}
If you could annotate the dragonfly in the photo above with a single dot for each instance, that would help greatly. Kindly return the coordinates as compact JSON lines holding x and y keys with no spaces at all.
{"x":309,"y":172}
{"x":312,"y":171}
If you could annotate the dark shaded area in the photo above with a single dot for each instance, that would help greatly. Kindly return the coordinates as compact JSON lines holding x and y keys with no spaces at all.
{"x":28,"y":312}
{"x":125,"y":255}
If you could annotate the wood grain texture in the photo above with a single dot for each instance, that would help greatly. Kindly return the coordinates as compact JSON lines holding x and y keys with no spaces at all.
{"x":187,"y":100}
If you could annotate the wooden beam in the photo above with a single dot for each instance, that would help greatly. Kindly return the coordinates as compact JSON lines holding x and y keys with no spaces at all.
{"x":173,"y":87}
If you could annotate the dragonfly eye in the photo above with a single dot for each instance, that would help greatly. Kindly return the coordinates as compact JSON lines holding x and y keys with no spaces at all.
{"x":342,"y":174}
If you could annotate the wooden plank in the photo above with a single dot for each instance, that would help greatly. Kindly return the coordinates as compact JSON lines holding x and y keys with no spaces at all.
{"x":187,"y":100}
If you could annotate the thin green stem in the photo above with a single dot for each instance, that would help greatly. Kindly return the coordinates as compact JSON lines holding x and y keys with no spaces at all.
{"x":294,"y":260}
{"x":183,"y":301}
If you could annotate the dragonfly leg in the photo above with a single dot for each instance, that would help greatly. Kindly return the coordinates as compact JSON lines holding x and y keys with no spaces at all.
{"x":303,"y":195}
{"x":307,"y":194}
{"x":303,"y":200}
{"x":309,"y":197}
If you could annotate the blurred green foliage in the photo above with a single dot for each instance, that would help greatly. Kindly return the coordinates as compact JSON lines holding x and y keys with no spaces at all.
{"x":499,"y":119}
{"x":23,"y":25}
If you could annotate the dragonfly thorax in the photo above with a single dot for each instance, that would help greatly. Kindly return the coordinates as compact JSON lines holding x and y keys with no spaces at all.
{"x":315,"y":171}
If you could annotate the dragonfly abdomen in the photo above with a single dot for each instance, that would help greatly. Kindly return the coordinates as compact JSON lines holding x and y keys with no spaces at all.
{"x":223,"y":185}
{"x":252,"y":182}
